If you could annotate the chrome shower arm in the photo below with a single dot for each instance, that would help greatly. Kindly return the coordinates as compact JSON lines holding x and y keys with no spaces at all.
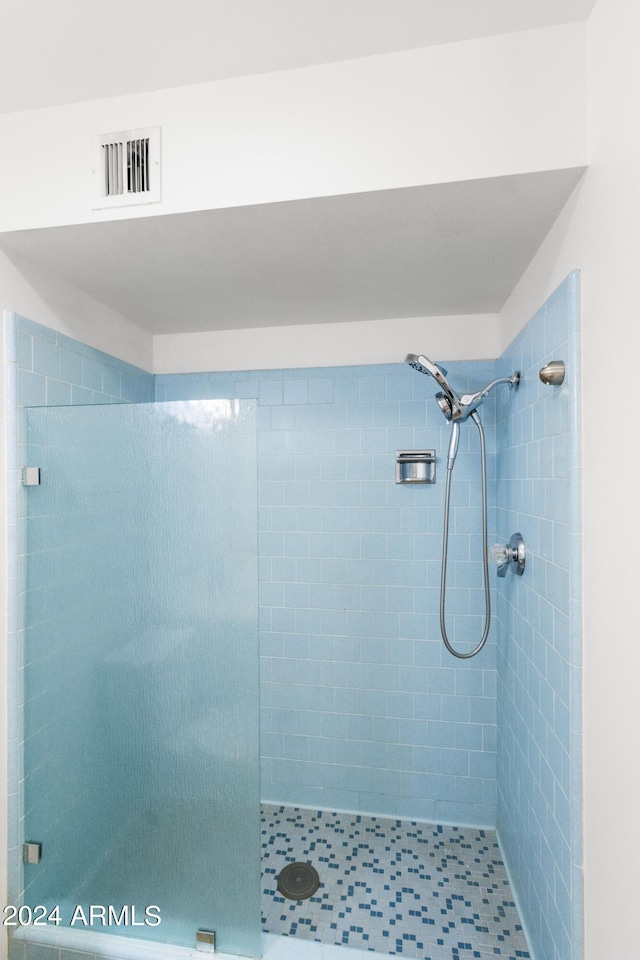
{"x":473,"y":399}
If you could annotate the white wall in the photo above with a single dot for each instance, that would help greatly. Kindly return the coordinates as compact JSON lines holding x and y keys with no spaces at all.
{"x":33,"y":293}
{"x":327,"y":344}
{"x":599,"y":232}
{"x":432,"y":115}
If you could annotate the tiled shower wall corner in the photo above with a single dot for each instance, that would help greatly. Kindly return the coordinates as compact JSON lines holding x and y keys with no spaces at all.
{"x":43,"y":368}
{"x":361,"y":709}
{"x":539,"y":745}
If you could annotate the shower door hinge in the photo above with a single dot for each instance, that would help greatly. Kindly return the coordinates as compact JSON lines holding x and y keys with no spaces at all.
{"x":206,"y":941}
{"x":31,"y":476}
{"x":31,"y":852}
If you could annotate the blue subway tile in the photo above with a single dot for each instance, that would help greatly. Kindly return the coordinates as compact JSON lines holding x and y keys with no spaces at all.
{"x":25,"y":325}
{"x":32,"y":389}
{"x":128,"y":387}
{"x":111,"y":380}
{"x":271,"y":392}
{"x":247,"y":389}
{"x":58,"y":393}
{"x":24,"y":348}
{"x":456,"y":763}
{"x":346,"y":389}
{"x":295,"y":391}
{"x":320,"y":390}
{"x":92,"y":374}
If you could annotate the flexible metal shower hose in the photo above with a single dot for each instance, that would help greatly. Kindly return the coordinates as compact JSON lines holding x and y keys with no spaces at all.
{"x":485,"y":552}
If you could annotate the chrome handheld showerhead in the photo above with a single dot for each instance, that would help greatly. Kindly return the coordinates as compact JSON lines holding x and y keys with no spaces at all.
{"x":422,"y":364}
{"x":454,"y":407}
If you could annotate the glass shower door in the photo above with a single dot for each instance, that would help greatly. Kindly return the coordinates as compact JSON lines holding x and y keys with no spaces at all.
{"x":141,"y":671}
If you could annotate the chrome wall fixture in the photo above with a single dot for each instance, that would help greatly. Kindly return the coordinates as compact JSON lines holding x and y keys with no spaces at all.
{"x":31,"y":852}
{"x":415,"y":466}
{"x":553,"y":373}
{"x":206,"y":940}
{"x":510,"y":555}
{"x":31,"y":477}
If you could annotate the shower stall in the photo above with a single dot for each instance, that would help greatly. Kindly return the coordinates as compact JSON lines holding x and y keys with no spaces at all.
{"x":231,"y":601}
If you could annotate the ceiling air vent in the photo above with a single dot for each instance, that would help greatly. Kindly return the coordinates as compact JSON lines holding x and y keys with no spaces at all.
{"x":126,"y":168}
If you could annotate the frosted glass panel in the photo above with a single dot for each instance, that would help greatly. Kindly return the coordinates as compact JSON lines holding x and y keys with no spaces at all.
{"x":141,"y":678}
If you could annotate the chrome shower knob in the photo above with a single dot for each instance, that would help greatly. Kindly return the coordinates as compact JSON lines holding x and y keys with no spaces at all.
{"x":512,"y":554}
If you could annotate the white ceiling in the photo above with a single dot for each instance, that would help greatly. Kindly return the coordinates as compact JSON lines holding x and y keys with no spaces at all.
{"x":445,"y":249}
{"x":64,"y":51}
{"x":454,"y":248}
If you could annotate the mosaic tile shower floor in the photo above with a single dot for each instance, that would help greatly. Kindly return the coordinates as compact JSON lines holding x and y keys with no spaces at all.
{"x":397,"y":887}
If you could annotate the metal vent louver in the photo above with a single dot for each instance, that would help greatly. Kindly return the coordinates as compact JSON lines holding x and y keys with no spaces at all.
{"x":126,"y":168}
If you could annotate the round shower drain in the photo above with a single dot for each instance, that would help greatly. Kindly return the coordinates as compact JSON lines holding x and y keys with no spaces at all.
{"x":298,"y":881}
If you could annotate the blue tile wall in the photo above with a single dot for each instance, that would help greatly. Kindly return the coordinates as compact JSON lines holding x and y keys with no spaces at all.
{"x":361,"y":707}
{"x":54,"y":369}
{"x":539,"y":749}
{"x":43,"y":368}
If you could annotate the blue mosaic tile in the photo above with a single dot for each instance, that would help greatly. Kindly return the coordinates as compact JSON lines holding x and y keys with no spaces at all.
{"x":399,"y":887}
